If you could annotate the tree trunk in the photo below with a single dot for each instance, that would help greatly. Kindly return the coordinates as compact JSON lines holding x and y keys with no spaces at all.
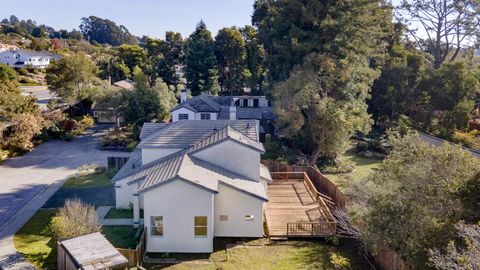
{"x":314,"y":157}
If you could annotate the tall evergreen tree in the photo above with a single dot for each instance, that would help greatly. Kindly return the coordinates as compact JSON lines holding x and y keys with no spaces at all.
{"x":231,"y":57}
{"x":255,"y":59}
{"x":201,"y":63}
{"x":320,"y":55}
{"x":173,"y":55}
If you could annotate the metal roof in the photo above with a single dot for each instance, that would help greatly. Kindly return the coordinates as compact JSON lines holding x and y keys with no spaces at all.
{"x":186,"y":133}
{"x":150,"y":128}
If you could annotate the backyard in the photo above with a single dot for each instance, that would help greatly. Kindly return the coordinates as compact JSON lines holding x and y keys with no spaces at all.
{"x":37,"y":245}
{"x":363,"y":167}
{"x":276,"y":255}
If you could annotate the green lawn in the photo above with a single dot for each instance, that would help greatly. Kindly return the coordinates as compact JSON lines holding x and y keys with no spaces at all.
{"x":363,"y":167}
{"x":88,"y":180}
{"x":40,"y":248}
{"x":121,"y":213}
{"x":278,"y":255}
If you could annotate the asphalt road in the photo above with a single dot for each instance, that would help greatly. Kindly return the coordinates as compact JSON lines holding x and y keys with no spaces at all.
{"x":41,"y":93}
{"x":27,"y":182}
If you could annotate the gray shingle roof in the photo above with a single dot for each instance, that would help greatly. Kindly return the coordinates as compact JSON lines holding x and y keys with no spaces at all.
{"x":201,"y":103}
{"x":186,"y":133}
{"x":255,"y":113}
{"x":434,"y":141}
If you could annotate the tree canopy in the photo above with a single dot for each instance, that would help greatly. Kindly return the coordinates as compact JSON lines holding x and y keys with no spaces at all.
{"x":319,"y":59}
{"x":201,"y":70}
{"x":105,"y":31}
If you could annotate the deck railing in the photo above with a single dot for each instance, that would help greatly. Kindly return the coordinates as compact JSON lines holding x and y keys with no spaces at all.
{"x":326,"y":227}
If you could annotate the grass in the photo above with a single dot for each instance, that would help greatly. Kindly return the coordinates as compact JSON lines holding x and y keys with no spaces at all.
{"x":114,"y":213}
{"x":40,"y":248}
{"x":363,"y":167}
{"x":88,"y":180}
{"x":278,"y":255}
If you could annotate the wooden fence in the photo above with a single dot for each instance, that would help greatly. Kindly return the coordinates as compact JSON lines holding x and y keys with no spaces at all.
{"x":135,"y":256}
{"x":322,"y":183}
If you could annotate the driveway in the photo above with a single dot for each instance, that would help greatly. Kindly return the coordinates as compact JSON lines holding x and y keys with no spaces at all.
{"x":27,"y":182}
{"x":41,"y":93}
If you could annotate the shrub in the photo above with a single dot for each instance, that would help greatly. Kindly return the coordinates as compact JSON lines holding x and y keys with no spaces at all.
{"x":27,"y":81}
{"x":52,"y":103}
{"x":131,"y":146}
{"x":339,"y":262}
{"x":23,"y":71}
{"x":67,"y":125}
{"x":86,"y":122}
{"x":74,"y":219}
{"x":338,"y":165}
{"x":467,"y":139}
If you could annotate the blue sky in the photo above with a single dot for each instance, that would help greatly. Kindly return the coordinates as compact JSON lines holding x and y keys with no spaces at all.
{"x":141,"y":17}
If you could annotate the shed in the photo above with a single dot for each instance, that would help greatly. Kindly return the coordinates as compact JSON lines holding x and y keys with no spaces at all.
{"x":88,"y":252}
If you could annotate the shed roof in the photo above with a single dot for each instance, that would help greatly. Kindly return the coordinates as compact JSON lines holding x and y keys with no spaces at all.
{"x":93,"y":251}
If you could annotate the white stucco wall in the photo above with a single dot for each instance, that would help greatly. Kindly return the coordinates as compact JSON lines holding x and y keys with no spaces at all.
{"x":191,"y":115}
{"x":179,"y":202}
{"x":234,"y":157}
{"x":152,"y":154}
{"x":236,"y":205}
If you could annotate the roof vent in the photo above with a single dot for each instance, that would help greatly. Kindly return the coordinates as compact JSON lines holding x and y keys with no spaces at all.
{"x":248,"y":125}
{"x":215,"y":128}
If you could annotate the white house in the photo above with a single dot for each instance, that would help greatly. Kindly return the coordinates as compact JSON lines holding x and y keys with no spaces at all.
{"x":26,"y":58}
{"x":195,"y":180}
{"x":209,"y":107}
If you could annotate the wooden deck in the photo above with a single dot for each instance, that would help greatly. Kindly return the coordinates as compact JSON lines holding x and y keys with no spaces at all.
{"x":295,"y":209}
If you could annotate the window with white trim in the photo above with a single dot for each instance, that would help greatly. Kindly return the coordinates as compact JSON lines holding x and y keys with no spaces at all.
{"x":156,"y":224}
{"x":205,"y":116}
{"x":200,"y":226}
{"x":183,"y":116}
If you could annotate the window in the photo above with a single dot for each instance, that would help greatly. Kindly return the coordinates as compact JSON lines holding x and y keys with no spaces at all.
{"x":156,"y":224}
{"x":200,"y":228}
{"x":223,"y":218}
{"x":183,"y":116}
{"x":205,"y":116}
{"x":245,"y":103}
{"x":255,"y":102}
{"x":249,"y":218}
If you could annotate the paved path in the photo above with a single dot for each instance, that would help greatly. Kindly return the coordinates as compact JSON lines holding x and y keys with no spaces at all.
{"x":27,"y":182}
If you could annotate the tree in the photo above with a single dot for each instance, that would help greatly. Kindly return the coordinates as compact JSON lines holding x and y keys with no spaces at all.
{"x":117,"y":99}
{"x":71,"y":76}
{"x":318,"y":56}
{"x":231,"y":60}
{"x":254,"y":60}
{"x":74,"y":219}
{"x":147,"y":103}
{"x":200,"y":68}
{"x":132,"y":55}
{"x":12,"y":102}
{"x":460,"y":258}
{"x":412,"y":201}
{"x":105,"y":31}
{"x":25,"y":127}
{"x":114,"y":68}
{"x":449,"y":26}
{"x":173,"y":56}
{"x":39,"y":32}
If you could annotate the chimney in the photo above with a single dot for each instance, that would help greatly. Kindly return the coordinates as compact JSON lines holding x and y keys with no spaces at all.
{"x":232,"y":112}
{"x":183,"y":95}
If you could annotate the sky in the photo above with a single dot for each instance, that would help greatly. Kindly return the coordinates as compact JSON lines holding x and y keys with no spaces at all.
{"x":141,"y":17}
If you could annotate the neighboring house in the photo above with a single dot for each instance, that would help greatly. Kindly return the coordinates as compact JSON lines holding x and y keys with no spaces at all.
{"x":7,"y":47}
{"x":27,"y":58}
{"x":209,"y":107}
{"x":195,"y":180}
{"x":125,"y":84}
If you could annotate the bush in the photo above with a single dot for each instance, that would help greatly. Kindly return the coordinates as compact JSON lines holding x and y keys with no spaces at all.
{"x":67,"y":125}
{"x":339,"y":262}
{"x":467,"y":139}
{"x":27,"y":81}
{"x":85,"y":123}
{"x":74,"y":219}
{"x":23,"y":71}
{"x":131,"y":146}
{"x":338,"y":165}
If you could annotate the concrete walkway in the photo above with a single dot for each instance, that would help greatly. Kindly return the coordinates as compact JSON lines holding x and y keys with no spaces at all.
{"x":102,"y":212}
{"x":27,"y":182}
